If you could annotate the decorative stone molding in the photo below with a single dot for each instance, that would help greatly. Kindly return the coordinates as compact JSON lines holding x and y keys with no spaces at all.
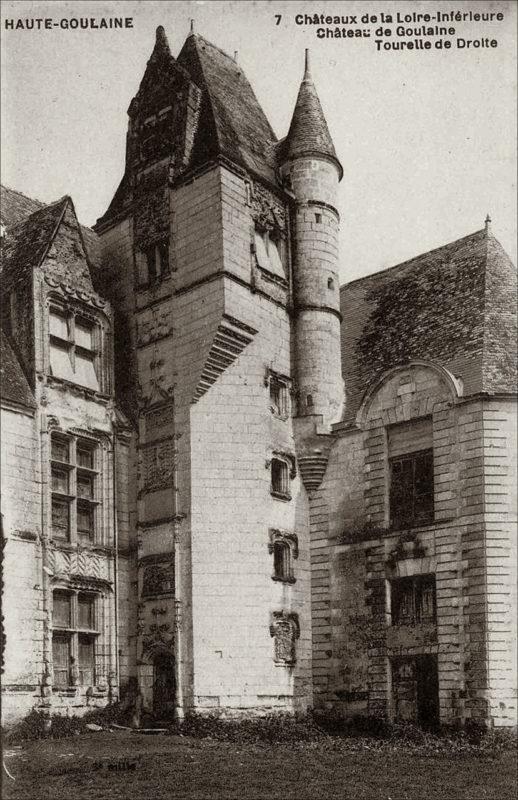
{"x":83,"y":564}
{"x":312,"y":469}
{"x":156,"y":326}
{"x":267,"y":211}
{"x":285,"y":630}
{"x":291,"y":539}
{"x":230,"y":340}
{"x":73,"y":293}
{"x":158,"y":465}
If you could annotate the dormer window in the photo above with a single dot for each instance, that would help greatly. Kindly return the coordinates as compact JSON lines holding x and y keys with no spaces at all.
{"x":269,"y":252}
{"x":153,"y":263}
{"x":73,"y":348}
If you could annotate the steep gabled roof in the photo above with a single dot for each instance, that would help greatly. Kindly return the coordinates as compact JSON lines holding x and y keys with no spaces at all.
{"x":232,"y":123}
{"x":27,"y":243}
{"x":454,"y":305}
{"x":14,"y":386}
{"x":15,"y":207}
{"x":308,"y":133}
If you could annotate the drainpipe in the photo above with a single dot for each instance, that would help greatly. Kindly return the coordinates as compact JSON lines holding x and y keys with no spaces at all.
{"x":177,"y":636}
{"x":116,"y":559}
{"x":46,"y":571}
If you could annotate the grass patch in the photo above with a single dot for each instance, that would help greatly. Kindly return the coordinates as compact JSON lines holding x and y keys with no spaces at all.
{"x":187,"y":768}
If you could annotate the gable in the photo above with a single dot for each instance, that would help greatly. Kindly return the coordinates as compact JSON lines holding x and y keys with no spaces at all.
{"x":438,"y":307}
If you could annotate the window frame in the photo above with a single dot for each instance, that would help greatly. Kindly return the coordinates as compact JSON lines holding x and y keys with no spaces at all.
{"x":420,"y":512}
{"x":73,"y":500}
{"x":152,"y":263}
{"x":282,"y":490}
{"x":271,"y":238}
{"x":73,"y":633}
{"x":281,"y":408}
{"x":287,"y":545}
{"x":76,"y":352}
{"x":415,"y":588}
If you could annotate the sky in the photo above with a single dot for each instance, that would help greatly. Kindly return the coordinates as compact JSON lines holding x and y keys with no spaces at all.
{"x":427,"y":138}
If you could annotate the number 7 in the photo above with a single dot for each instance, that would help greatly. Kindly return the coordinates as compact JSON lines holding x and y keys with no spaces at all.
{"x":278,"y":17}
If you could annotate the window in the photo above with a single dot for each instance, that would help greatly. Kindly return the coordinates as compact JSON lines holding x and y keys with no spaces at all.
{"x":280,"y":478}
{"x":74,"y":635}
{"x":73,"y":351}
{"x":413,"y":600}
{"x":330,"y":283}
{"x":153,"y":263}
{"x":74,"y":488}
{"x":279,"y":395}
{"x":283,"y":546}
{"x":411,"y":473}
{"x":269,"y":253}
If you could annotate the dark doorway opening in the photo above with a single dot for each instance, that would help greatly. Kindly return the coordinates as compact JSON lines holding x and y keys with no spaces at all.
{"x":415,"y":688}
{"x":164,"y":685}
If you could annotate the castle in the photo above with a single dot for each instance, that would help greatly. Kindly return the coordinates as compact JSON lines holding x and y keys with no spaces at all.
{"x":229,"y":483}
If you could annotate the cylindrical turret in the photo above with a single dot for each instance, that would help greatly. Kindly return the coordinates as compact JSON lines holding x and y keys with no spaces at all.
{"x":311,"y":170}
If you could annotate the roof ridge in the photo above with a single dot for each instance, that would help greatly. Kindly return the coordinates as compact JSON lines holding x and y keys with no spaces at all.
{"x":22,"y":194}
{"x":215,"y":46}
{"x":414,"y":258}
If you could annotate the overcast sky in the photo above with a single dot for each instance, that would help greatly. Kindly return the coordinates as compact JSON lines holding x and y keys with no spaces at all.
{"x":427,"y":138}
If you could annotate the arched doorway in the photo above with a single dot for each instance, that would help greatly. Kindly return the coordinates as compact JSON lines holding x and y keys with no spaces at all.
{"x":164,"y":683}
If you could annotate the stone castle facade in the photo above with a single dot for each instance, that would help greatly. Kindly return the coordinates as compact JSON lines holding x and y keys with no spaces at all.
{"x":229,"y":483}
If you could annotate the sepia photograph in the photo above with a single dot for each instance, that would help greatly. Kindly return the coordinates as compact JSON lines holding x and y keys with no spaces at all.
{"x":258,"y":382}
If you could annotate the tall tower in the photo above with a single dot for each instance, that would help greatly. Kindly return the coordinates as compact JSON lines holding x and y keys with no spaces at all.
{"x":312,"y":171}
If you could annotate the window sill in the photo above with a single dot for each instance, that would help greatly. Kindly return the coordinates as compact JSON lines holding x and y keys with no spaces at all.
{"x":272,"y":277}
{"x":291,"y":579}
{"x":88,"y":392}
{"x":280,"y":495}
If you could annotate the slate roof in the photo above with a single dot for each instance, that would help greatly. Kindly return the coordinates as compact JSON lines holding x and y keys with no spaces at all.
{"x":308,"y":133}
{"x":15,"y":207}
{"x":14,"y":386}
{"x":27,"y":242}
{"x":232,"y":123}
{"x":30,"y":226}
{"x":455,"y":305}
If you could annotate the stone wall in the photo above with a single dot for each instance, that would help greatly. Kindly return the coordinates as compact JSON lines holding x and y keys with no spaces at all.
{"x":467,"y":547}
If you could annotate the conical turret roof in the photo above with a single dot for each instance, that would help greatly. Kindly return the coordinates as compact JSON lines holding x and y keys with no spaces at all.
{"x":308,"y":133}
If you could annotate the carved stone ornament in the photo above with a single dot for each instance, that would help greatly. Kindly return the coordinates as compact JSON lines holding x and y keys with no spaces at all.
{"x":74,"y":293}
{"x":285,"y":630}
{"x":267,"y":212}
{"x":284,"y":537}
{"x":158,"y":466}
